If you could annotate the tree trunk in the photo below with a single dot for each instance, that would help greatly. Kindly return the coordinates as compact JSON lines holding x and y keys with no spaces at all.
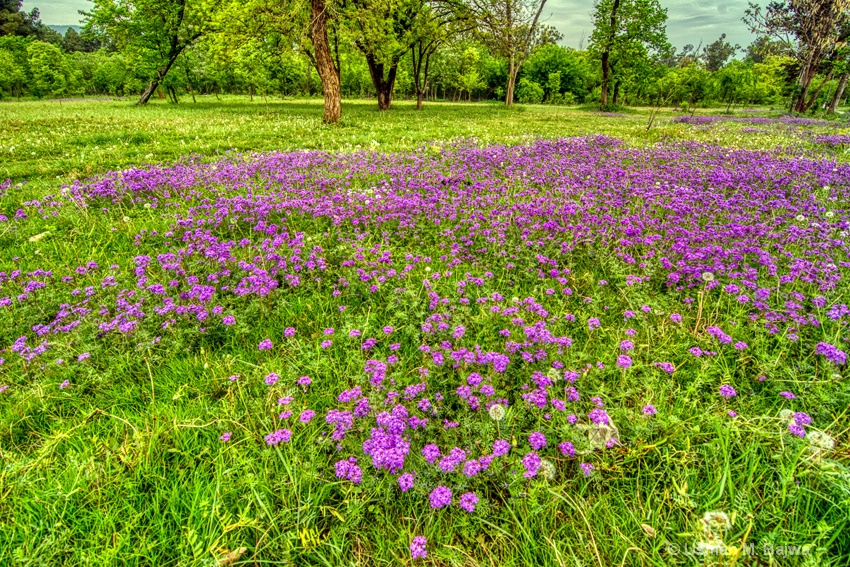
{"x":512,"y":73}
{"x":839,"y":93}
{"x":616,"y":96}
{"x":324,"y":61}
{"x":606,"y":54}
{"x":813,"y":98}
{"x":383,"y":86}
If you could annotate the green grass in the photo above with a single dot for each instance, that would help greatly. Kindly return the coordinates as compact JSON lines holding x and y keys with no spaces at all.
{"x":126,"y":469}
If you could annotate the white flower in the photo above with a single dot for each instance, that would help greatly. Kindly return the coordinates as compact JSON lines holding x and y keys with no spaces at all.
{"x":553,"y":374}
{"x":497,"y":412}
{"x":829,"y":214}
{"x":707,"y":277}
{"x":800,"y":218}
{"x":547,"y":469}
{"x":147,"y":205}
{"x":820,"y":440}
{"x":716,"y":521}
{"x":126,"y":219}
{"x":786,"y":415}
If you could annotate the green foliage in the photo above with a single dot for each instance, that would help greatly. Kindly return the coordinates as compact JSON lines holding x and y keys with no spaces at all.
{"x":51,"y":74}
{"x":577,"y":75}
{"x":529,"y":92}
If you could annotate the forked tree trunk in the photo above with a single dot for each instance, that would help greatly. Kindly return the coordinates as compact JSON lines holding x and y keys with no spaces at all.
{"x":324,"y":61}
{"x":383,"y":84}
{"x":606,"y":54}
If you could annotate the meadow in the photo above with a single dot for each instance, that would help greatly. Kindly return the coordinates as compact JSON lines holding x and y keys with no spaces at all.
{"x":232,"y":335}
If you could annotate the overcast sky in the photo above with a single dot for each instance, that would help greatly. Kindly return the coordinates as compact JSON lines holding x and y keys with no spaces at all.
{"x":690,"y":21}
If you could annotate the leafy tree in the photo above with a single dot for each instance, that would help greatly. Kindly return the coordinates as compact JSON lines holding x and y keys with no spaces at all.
{"x":152,"y":33}
{"x":716,"y":54}
{"x":529,"y":92}
{"x":763,"y":47}
{"x":813,"y":29}
{"x":384,"y":31}
{"x":577,"y":75}
{"x":13,"y":21}
{"x":468,"y":76}
{"x":12,"y":76}
{"x":511,"y":29}
{"x":626,"y":32}
{"x":51,"y":75}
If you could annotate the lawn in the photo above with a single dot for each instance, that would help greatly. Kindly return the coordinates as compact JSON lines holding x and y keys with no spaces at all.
{"x":232,"y":335}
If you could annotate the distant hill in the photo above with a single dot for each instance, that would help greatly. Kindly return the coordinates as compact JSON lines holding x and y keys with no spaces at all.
{"x":63,"y":29}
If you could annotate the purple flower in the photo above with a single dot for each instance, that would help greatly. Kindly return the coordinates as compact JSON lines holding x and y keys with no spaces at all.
{"x":501,"y":448}
{"x":281,"y":435}
{"x":797,"y":430}
{"x":306,"y":416}
{"x":431,"y":452}
{"x":832,"y":353}
{"x":225,"y":437}
{"x":593,"y":323}
{"x":732,"y":413}
{"x":83,"y":356}
{"x":417,"y":548}
{"x":327,"y":343}
{"x":665,"y":366}
{"x":567,"y":449}
{"x":405,"y":482}
{"x":624,"y":361}
{"x":675,"y":317}
{"x":265,"y":344}
{"x":649,"y":409}
{"x":387,"y":330}
{"x":228,"y":320}
{"x":627,"y":345}
{"x":801,"y":418}
{"x":64,"y":385}
{"x":740,"y":345}
{"x":440,"y":497}
{"x":598,"y":416}
{"x":788,"y":395}
{"x":727,"y":391}
{"x":289,"y":332}
{"x":586,"y":468}
{"x":531,"y":462}
{"x":328,"y":331}
{"x":537,"y":440}
{"x":271,"y":379}
{"x":353,"y":333}
{"x":304,"y":381}
{"x":468,"y":501}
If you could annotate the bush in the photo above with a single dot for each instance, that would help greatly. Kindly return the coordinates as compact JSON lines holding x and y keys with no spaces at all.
{"x":529,"y":92}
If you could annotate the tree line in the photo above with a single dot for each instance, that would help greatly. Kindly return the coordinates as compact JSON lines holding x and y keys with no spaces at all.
{"x":425,"y":50}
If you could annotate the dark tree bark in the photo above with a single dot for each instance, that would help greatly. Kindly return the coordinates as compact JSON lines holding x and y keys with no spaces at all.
{"x":606,"y":54}
{"x":383,"y":78}
{"x":839,"y":93}
{"x":324,"y":61}
{"x":422,"y":53}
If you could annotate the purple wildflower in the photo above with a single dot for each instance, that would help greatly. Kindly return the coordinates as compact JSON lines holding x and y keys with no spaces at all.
{"x":440,"y":497}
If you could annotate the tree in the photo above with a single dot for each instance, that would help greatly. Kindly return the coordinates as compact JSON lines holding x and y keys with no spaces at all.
{"x":763,"y":47}
{"x":153,"y":33}
{"x":51,"y":75}
{"x":13,"y":21}
{"x":813,"y":29}
{"x":626,"y":31}
{"x":718,"y":53}
{"x":577,"y":77}
{"x":328,"y":72}
{"x":384,"y":31}
{"x":511,"y":28}
{"x":12,"y":77}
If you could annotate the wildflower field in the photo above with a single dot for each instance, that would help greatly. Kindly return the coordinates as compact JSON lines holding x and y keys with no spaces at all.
{"x":458,"y":337}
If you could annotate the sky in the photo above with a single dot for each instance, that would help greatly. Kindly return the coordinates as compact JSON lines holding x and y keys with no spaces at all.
{"x":689,"y":21}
